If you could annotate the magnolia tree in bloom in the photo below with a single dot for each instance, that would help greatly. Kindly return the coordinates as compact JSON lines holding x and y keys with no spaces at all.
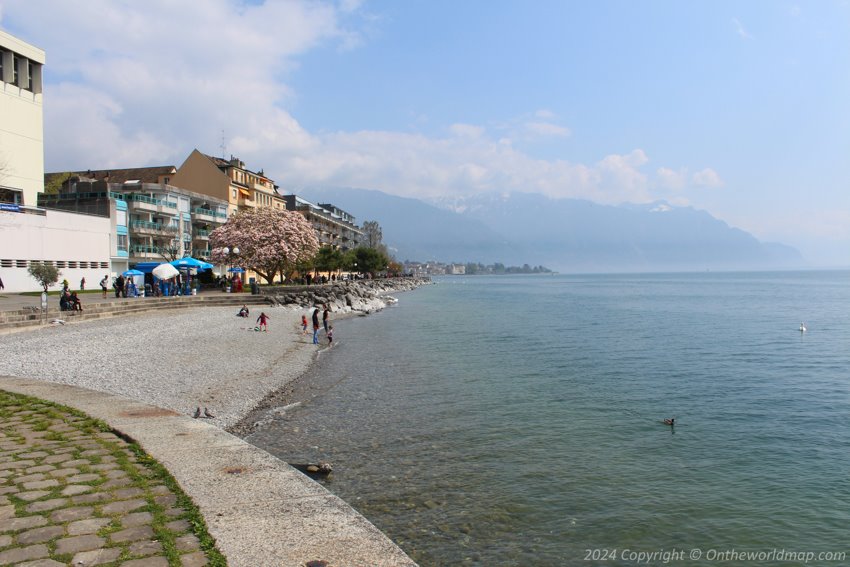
{"x":269,"y":240}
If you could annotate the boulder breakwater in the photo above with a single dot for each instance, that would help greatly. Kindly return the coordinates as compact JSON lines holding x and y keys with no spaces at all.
{"x":363,"y":296}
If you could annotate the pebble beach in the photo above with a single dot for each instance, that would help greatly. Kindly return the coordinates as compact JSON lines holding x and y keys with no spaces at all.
{"x":180,"y":360}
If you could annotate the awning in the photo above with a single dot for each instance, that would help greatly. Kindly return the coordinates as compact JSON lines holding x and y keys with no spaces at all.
{"x":244,"y":192}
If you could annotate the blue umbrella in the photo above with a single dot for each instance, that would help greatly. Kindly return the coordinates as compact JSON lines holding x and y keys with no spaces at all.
{"x":189,"y":262}
{"x":133,"y":273}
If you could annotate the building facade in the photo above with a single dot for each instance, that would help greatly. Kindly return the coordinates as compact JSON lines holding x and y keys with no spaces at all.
{"x":334,"y":227}
{"x":152,"y":220}
{"x":21,"y":122}
{"x":228,"y":180}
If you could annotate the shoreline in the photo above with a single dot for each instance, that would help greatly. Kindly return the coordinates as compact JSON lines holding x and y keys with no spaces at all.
{"x":259,"y":415}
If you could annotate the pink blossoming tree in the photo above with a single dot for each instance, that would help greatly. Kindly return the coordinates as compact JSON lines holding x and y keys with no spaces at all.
{"x":270,"y":241}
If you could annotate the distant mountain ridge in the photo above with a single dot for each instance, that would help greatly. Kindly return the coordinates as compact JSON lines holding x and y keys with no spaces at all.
{"x":567,"y":235}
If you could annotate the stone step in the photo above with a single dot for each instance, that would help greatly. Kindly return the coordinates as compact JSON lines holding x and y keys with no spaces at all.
{"x":28,"y":318}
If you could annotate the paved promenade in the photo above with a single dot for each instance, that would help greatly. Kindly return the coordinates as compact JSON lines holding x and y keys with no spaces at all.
{"x":72,"y":493}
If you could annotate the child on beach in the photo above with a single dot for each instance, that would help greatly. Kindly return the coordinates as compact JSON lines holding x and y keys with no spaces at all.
{"x":303,"y":324}
{"x":330,"y":334}
{"x":262,"y":321}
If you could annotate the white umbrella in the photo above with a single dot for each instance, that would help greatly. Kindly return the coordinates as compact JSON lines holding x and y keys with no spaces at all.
{"x":165,"y":271}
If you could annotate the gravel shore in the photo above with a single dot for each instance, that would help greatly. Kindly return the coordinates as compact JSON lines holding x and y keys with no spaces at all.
{"x":180,"y":360}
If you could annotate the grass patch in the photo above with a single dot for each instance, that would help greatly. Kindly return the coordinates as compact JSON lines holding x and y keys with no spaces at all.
{"x":144,"y":472}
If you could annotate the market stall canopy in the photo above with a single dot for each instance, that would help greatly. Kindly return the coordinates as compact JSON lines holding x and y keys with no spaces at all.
{"x":236,"y":270}
{"x":165,"y":271}
{"x":189,"y":262}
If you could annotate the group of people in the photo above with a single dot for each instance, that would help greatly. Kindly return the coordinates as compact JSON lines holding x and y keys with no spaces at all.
{"x":69,"y":301}
{"x":329,"y":330}
{"x":263,"y":319}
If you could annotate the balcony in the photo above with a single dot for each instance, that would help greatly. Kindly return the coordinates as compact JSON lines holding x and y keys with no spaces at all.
{"x":244,"y":202}
{"x":152,"y":228}
{"x":139,"y":202}
{"x":208,"y":215}
{"x":147,"y":251}
{"x":201,"y":234}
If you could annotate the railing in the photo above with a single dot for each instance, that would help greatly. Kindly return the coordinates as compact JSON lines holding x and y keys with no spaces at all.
{"x":208,"y":212}
{"x":150,"y":200}
{"x":201,"y":233}
{"x":201,"y":253}
{"x":146,"y":249}
{"x":153,"y":226}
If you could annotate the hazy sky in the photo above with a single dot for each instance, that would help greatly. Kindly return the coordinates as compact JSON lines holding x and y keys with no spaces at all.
{"x":738,"y":108}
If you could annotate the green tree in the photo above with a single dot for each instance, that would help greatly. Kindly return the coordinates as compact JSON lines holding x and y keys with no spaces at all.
{"x":54,"y":184}
{"x":368,"y":260}
{"x":45,"y":274}
{"x":328,"y":259}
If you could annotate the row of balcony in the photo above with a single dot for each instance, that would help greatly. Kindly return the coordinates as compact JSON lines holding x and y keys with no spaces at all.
{"x":148,"y":227}
{"x":152,"y":250}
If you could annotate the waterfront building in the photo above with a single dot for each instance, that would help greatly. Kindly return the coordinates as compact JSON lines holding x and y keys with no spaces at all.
{"x":229,"y":181}
{"x":77,"y":244}
{"x":334,"y":227}
{"x":151,"y":219}
{"x":22,"y":120}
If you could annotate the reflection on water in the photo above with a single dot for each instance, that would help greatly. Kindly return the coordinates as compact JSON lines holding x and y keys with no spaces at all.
{"x":517,"y":420}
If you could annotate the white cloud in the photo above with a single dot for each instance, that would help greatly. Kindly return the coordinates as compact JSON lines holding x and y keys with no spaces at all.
{"x":129,"y":88}
{"x":466,"y":130}
{"x":740,"y":30}
{"x":546,"y":129}
{"x":707,"y":178}
{"x":671,"y":179}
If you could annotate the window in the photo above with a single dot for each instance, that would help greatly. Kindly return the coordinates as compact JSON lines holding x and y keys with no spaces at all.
{"x":15,"y":72}
{"x":122,"y":242}
{"x":121,"y":218}
{"x":29,"y":75}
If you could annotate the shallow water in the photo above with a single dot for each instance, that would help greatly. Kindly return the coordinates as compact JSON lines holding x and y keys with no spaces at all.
{"x":516,"y":420}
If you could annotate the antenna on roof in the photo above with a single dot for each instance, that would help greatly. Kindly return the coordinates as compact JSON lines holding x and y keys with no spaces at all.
{"x":223,"y":145}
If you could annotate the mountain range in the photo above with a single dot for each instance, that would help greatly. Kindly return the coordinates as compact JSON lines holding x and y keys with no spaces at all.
{"x":567,"y":235}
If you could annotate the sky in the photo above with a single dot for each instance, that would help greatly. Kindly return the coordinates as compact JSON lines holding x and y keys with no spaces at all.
{"x":736,"y":108}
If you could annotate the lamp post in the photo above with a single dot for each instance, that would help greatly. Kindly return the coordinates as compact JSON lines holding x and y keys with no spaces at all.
{"x":229,"y":253}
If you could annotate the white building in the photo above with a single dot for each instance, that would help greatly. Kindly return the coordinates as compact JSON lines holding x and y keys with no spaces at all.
{"x":79,"y":245}
{"x":21,"y":121}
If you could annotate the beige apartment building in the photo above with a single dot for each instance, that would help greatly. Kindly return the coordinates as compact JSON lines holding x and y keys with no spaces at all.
{"x":227,"y":180}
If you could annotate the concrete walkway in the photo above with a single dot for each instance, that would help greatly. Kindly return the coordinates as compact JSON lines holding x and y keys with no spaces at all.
{"x":260,"y":510}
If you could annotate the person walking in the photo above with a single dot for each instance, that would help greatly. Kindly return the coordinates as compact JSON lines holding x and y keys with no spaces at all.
{"x":103,"y":283}
{"x":325,"y":316}
{"x":83,"y":284}
{"x":303,"y":324}
{"x":316,"y":326}
{"x":262,"y":319}
{"x":330,"y":336}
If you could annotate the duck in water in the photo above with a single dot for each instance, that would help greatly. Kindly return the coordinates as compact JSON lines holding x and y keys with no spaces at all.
{"x":671,"y":421}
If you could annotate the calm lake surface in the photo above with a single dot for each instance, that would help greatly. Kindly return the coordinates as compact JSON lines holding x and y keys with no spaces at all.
{"x":516,"y":420}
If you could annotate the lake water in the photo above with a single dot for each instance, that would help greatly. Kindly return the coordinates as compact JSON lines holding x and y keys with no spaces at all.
{"x":516,"y":420}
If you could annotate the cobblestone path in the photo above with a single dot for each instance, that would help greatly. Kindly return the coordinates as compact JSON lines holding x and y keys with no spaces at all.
{"x":73,"y":493}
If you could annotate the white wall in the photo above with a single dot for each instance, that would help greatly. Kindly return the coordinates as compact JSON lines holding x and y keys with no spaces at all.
{"x":21,"y":124}
{"x":56,"y":236}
